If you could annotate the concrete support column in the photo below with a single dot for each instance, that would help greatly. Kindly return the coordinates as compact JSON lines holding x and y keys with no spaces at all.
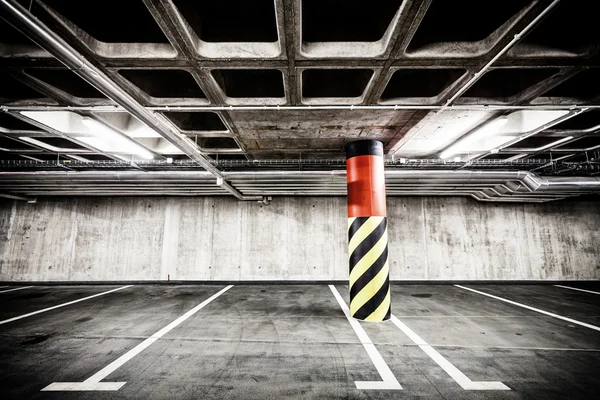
{"x":367,"y":232}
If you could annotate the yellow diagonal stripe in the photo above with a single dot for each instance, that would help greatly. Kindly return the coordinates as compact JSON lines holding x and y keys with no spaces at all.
{"x":350,"y":221}
{"x":381,"y":311}
{"x":369,"y":258}
{"x":369,"y":290}
{"x":364,"y":231}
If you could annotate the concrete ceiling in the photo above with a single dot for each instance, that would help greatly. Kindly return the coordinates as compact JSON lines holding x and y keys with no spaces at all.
{"x":261,"y":80}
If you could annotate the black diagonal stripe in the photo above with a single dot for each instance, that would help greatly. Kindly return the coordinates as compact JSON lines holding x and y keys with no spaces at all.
{"x":355,"y":226}
{"x":369,"y":274}
{"x":374,"y":302}
{"x":367,"y":244}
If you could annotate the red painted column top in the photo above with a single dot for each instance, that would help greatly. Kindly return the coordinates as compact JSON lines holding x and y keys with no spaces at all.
{"x":365,"y":178}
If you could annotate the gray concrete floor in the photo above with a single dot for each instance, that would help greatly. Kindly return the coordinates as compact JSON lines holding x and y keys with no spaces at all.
{"x":293,"y":341}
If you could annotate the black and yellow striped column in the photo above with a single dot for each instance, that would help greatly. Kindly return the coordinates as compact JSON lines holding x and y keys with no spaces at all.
{"x":367,"y":232}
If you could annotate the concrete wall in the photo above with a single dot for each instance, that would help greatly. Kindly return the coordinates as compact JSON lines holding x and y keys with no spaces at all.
{"x":106,"y":239}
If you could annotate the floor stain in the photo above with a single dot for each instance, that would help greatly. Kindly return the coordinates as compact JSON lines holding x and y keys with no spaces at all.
{"x":35,"y":339}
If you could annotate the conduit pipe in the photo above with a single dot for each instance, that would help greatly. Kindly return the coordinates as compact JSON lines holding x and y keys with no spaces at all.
{"x":457,"y":107}
{"x":482,"y":185}
{"x":37,"y":31}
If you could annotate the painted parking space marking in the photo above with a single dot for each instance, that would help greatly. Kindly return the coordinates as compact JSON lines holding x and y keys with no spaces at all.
{"x":93,"y":383}
{"x":446,"y":365}
{"x":580,"y":290}
{"x":388,"y":380}
{"x":514,"y":303}
{"x":6,"y":321}
{"x":12,"y":290}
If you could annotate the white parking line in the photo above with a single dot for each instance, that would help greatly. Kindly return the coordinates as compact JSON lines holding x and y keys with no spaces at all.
{"x":388,"y":380}
{"x":12,"y":290}
{"x":6,"y":321}
{"x":446,"y":365}
{"x":581,"y":290}
{"x":93,"y":382}
{"x":573,"y":321}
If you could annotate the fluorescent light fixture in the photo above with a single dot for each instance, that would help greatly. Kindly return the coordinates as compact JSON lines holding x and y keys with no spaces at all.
{"x":516,"y":157}
{"x":494,"y":151}
{"x":492,"y":126}
{"x":123,"y":157}
{"x":456,"y":159}
{"x":555,"y":143}
{"x":78,"y":158}
{"x":565,"y":139}
{"x":448,"y":153}
{"x":486,"y":130}
{"x":44,"y":145}
{"x":110,"y":140}
{"x":38,"y":143}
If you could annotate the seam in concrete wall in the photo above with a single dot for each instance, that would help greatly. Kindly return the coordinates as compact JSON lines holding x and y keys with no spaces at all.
{"x":426,"y":257}
{"x":73,"y":237}
{"x":518,"y":220}
{"x":170,"y":240}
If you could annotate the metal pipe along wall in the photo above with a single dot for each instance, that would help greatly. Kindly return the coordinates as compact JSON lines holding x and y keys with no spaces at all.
{"x":367,"y":232}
